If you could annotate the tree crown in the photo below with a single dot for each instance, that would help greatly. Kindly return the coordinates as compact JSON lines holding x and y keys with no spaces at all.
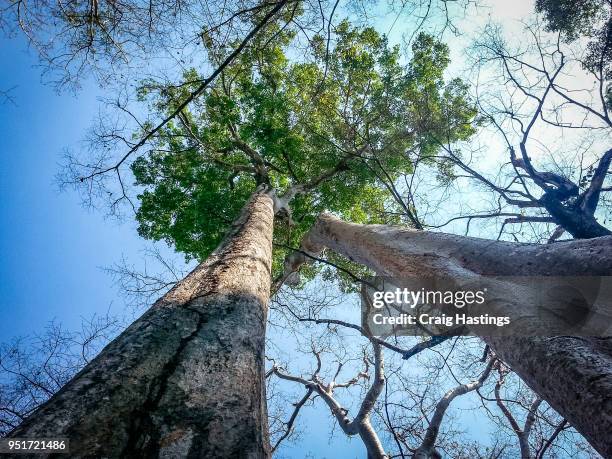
{"x":323,"y":126}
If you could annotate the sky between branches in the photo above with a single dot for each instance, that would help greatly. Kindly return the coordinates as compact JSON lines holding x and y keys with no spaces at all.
{"x":53,"y":249}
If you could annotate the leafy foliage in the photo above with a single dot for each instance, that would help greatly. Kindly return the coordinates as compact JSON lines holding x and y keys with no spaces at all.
{"x":331,"y":121}
{"x":583,"y":18}
{"x":572,"y":17}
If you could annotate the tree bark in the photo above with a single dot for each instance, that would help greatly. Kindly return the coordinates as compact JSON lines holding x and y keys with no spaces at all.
{"x":574,"y":375}
{"x":187,"y":378}
{"x":579,"y":223}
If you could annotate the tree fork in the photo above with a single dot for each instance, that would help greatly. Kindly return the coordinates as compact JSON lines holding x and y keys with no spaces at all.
{"x":573,"y":374}
{"x":187,"y":378}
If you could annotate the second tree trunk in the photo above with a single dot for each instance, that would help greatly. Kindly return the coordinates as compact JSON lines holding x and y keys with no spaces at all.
{"x":573,"y":374}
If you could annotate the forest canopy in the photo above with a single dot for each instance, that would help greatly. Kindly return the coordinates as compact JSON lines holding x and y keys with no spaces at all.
{"x":330,"y":123}
{"x":273,"y":157}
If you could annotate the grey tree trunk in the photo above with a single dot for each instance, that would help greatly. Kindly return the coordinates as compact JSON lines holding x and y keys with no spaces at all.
{"x":187,"y":378}
{"x":574,"y":375}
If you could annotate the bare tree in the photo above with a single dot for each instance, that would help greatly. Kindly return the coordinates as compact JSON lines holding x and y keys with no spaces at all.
{"x":400,"y":253}
{"x":521,"y":432}
{"x":32,"y":369}
{"x":404,"y":428}
{"x":360,"y":424}
{"x":140,"y":287}
{"x":114,"y":41}
{"x":548,"y":93}
{"x":427,"y":450}
{"x":170,"y":364}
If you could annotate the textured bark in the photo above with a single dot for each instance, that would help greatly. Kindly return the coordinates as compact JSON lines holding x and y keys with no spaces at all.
{"x":186,"y":379}
{"x":578,"y":222}
{"x":574,"y":375}
{"x":579,"y":218}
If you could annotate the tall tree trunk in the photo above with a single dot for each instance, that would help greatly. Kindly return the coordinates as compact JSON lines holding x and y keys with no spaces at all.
{"x":574,"y":375}
{"x":186,"y":379}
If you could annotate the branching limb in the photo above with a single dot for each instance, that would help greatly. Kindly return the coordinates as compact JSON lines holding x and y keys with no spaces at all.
{"x":361,"y":424}
{"x":427,"y":448}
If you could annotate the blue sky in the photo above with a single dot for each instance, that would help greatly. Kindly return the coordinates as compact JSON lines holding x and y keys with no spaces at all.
{"x":52,"y":248}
